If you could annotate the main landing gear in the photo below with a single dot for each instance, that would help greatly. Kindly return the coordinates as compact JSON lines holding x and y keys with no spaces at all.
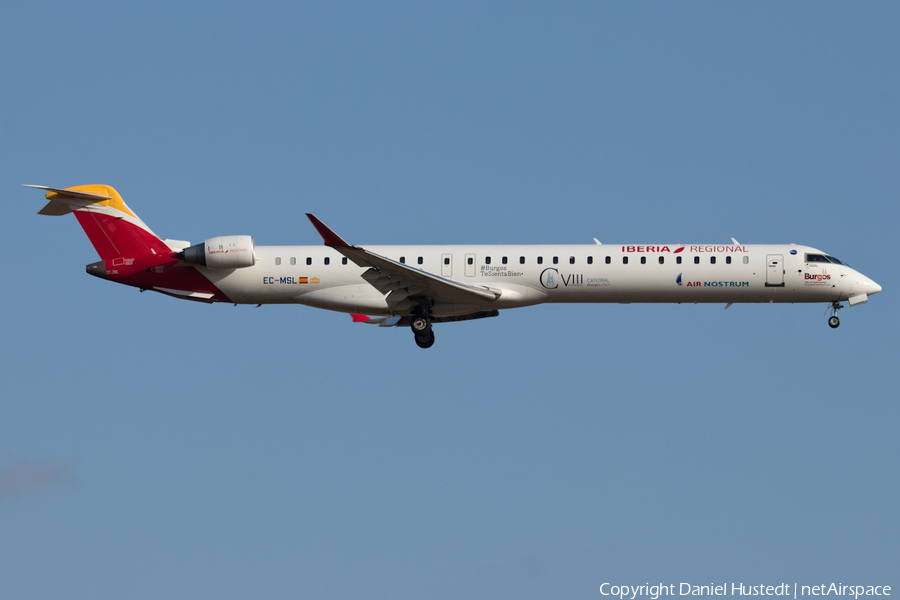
{"x":421,"y":327}
{"x":833,"y":320}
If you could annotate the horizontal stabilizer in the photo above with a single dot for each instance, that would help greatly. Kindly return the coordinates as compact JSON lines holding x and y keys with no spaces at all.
{"x":62,"y":202}
{"x":71,"y":193}
{"x":56,"y":209}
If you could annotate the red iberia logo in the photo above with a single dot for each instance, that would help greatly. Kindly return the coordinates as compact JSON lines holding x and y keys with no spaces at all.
{"x":678,"y":248}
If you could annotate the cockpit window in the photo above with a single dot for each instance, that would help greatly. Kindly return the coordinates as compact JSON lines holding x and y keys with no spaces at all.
{"x":822,"y":258}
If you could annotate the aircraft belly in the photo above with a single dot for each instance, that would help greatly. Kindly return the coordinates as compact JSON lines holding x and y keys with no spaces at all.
{"x":255,"y":285}
{"x":517,"y":295}
{"x":250,"y":286}
{"x":353,"y":298}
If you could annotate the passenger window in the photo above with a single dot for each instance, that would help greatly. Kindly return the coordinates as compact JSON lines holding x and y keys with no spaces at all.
{"x":470,"y":261}
{"x":608,"y":259}
{"x":712,"y":260}
{"x":571,"y":260}
{"x":678,"y":260}
{"x":487,"y":260}
{"x":344,"y":261}
{"x":402,"y":260}
{"x":419,"y":260}
{"x":624,"y":260}
{"x":590,"y":260}
{"x":293,"y":260}
{"x":643,"y":260}
{"x":727,"y":260}
{"x":555,"y":260}
{"x":503,"y":260}
{"x":746,"y":260}
{"x":696,"y":260}
{"x":540,"y":260}
{"x":521,"y":260}
{"x":662,"y":259}
{"x":277,"y":260}
{"x":308,"y":260}
{"x":327,"y":261}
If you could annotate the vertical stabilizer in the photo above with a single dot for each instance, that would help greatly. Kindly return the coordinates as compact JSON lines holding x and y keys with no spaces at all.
{"x":114,"y":230}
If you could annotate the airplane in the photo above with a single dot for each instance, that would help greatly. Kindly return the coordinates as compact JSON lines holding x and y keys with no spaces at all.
{"x":418,"y":286}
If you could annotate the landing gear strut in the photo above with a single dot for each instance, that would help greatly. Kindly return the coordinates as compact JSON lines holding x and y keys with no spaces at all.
{"x":833,"y":320}
{"x":421,"y":327}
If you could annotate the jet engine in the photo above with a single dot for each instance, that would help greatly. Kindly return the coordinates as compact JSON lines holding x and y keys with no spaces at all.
{"x":223,"y":252}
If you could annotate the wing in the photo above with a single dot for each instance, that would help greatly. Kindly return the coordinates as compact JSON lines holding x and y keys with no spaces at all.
{"x":404,"y":284}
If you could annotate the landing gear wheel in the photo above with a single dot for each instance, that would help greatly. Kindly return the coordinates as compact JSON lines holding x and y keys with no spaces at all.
{"x":833,"y":320}
{"x":420,"y":325}
{"x":425,"y":340}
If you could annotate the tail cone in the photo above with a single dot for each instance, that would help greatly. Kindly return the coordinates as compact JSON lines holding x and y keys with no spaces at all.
{"x":97,"y":269}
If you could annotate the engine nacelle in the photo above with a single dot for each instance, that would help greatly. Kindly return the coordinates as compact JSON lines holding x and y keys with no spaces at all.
{"x":223,"y":252}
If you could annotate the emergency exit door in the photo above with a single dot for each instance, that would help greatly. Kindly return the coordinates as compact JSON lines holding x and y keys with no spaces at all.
{"x":470,"y":265}
{"x":446,"y":265}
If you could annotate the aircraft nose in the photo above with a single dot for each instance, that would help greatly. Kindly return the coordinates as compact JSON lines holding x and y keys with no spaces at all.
{"x":872,"y":287}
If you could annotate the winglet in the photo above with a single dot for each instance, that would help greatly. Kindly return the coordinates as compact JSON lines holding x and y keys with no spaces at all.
{"x":360,"y":318}
{"x":331,"y":238}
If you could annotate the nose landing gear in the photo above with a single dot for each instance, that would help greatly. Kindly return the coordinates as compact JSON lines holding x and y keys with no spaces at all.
{"x":833,"y":320}
{"x":421,"y":327}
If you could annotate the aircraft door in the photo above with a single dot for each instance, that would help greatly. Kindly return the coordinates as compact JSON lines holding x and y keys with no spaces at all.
{"x":775,"y":270}
{"x":446,"y":265}
{"x":470,"y":265}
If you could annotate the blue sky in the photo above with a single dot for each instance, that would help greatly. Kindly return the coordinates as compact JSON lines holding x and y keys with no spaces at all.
{"x":155,"y":448}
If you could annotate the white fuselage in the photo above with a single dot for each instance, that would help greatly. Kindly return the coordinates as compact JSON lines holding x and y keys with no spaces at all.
{"x":523,"y":275}
{"x":418,"y":286}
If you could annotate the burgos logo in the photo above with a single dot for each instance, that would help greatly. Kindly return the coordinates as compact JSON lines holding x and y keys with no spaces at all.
{"x":678,"y":279}
{"x":822,"y":277}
